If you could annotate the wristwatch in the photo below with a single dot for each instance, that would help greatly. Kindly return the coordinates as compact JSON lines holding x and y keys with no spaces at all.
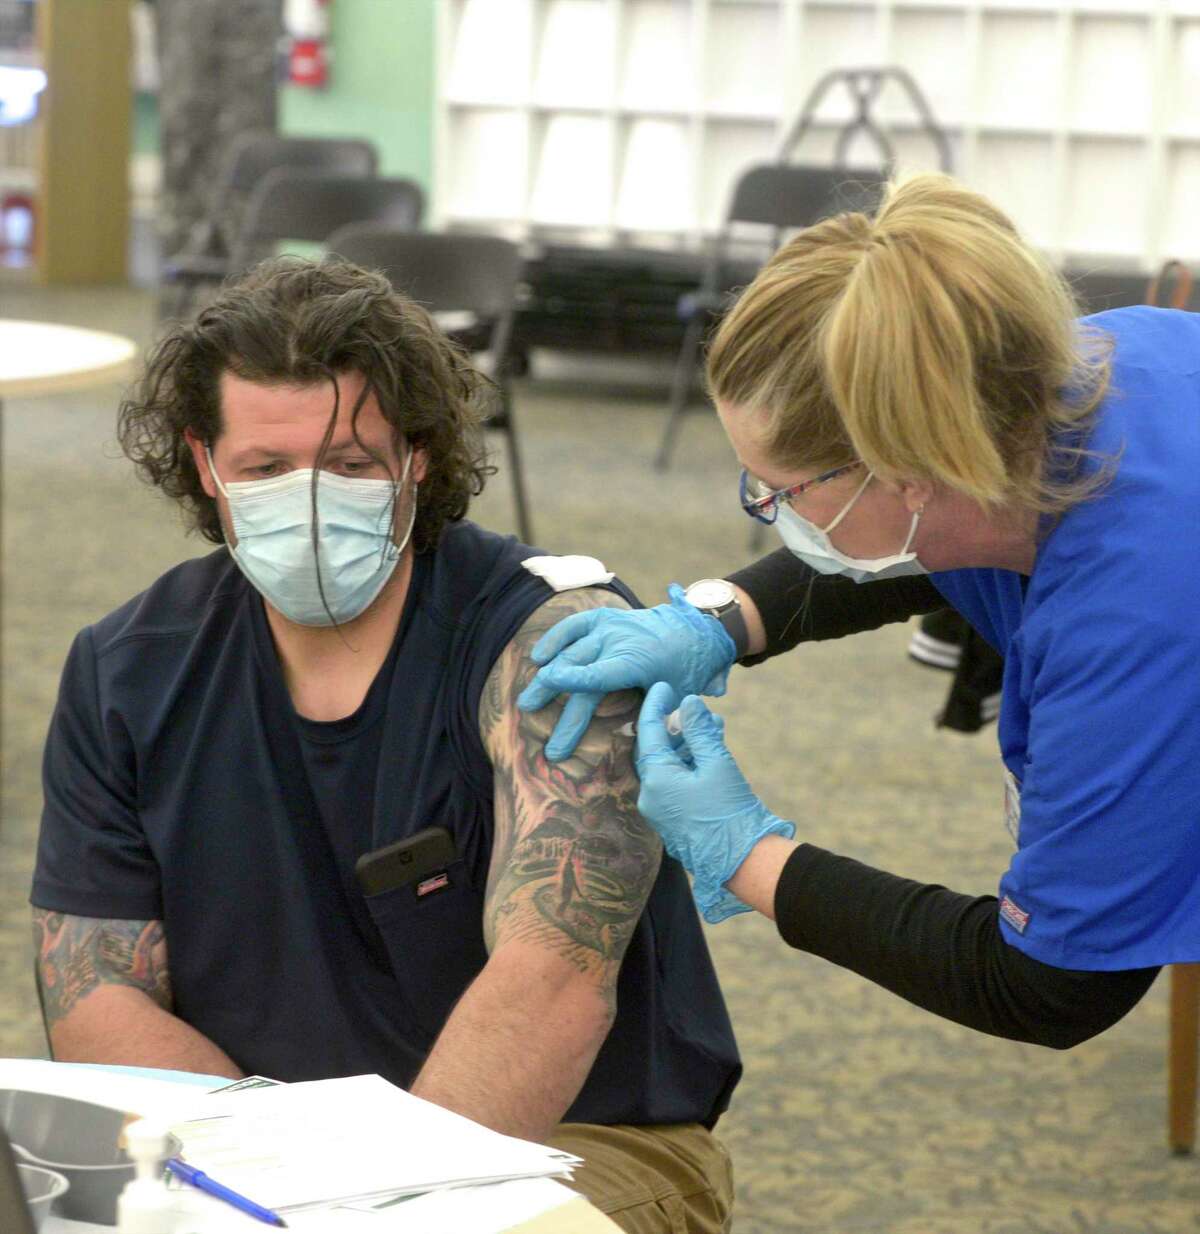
{"x":717,"y":598}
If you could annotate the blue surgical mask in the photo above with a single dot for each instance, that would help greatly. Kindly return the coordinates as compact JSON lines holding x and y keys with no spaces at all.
{"x":812,"y":545}
{"x":272,"y":520}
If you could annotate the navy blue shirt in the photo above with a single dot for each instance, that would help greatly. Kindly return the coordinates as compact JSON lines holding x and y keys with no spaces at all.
{"x":180,"y":785}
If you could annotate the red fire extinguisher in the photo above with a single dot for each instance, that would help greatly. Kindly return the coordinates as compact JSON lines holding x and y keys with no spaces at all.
{"x":306,"y":27}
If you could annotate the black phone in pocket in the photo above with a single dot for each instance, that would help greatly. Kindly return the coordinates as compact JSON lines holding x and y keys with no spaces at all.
{"x":421,"y":857}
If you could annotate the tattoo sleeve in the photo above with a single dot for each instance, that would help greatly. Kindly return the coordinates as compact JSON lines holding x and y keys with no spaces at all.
{"x":572,"y":860}
{"x":74,"y":955}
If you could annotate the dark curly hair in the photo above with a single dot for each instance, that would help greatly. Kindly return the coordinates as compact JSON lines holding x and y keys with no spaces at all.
{"x":298,"y":322}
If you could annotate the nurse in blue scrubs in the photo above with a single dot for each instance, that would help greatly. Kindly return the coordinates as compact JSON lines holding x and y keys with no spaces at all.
{"x":921,"y":416}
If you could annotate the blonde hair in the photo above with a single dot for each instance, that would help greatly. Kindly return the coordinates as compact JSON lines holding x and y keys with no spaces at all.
{"x":930,"y":341}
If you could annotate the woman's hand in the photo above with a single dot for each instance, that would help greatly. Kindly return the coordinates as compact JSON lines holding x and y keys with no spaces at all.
{"x":590,"y":654}
{"x":696,"y":798}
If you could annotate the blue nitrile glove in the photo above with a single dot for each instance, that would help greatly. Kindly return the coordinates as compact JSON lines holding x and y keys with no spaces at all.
{"x":591,"y":654}
{"x":706,"y":813}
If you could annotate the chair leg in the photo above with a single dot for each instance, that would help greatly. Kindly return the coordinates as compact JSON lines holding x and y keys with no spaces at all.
{"x":1182,"y":1057}
{"x":681,"y":388}
{"x":520,"y":500}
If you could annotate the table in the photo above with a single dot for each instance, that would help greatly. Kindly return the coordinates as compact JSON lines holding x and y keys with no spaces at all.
{"x":38,"y":357}
{"x":536,"y":1206}
{"x":556,"y":1211}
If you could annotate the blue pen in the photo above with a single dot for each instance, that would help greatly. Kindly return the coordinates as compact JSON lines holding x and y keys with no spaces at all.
{"x":201,"y":1181}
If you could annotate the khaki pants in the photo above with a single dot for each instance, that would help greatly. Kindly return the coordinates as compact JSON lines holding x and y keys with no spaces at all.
{"x":674,"y":1179}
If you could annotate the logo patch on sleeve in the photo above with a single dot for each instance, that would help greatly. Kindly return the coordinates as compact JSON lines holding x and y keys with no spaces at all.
{"x":1016,"y":917}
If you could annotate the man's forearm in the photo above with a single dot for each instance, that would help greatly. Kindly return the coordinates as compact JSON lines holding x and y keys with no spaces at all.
{"x":517,"y":1048}
{"x":105,"y":985}
{"x":119,"y":1024}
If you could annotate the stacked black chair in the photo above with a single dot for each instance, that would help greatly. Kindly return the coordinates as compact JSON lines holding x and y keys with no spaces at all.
{"x":311,"y":206}
{"x":790,"y":194}
{"x":782,"y":197}
{"x":206,"y":258}
{"x":471,"y":276}
{"x":1099,"y":290}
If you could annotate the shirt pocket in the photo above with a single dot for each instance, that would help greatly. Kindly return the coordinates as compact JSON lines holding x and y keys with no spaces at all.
{"x":432,"y":931}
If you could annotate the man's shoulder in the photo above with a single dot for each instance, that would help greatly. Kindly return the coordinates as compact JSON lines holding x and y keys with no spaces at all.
{"x":495,"y":582}
{"x":568,"y":585}
{"x":175,"y":604}
{"x":547,"y":611}
{"x":507,"y":608}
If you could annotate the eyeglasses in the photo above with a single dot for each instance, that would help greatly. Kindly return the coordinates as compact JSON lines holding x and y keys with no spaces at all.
{"x":762,"y":503}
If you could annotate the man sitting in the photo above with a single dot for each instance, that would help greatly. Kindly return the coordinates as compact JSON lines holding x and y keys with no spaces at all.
{"x":341,"y":676}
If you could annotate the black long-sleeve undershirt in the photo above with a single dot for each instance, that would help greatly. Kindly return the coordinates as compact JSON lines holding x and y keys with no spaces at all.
{"x":936,"y":948}
{"x":798,"y":605}
{"x":944,"y":952}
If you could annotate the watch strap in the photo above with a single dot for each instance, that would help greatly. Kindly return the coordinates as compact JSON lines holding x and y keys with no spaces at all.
{"x":733,"y":622}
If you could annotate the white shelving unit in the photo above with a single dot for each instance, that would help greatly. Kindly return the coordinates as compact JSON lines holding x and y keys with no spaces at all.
{"x":627,"y":121}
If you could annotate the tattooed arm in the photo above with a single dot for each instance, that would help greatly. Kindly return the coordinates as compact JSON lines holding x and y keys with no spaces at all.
{"x":572,"y":867}
{"x":106,"y":996}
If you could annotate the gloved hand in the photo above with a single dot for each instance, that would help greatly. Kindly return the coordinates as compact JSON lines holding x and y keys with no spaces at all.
{"x":590,"y":654}
{"x":697,"y":799}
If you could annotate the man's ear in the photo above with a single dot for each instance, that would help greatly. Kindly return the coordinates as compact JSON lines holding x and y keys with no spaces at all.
{"x":420,"y":464}
{"x":199,"y":457}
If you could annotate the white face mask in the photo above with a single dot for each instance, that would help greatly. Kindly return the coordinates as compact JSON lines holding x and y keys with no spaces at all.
{"x":811,"y":544}
{"x":272,"y":520}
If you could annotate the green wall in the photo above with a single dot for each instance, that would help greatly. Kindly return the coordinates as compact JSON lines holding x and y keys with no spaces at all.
{"x":145,"y":123}
{"x":381,"y":85}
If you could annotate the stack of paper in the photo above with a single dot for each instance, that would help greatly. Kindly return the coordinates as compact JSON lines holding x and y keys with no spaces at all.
{"x":295,"y":1146}
{"x":523,"y":1206}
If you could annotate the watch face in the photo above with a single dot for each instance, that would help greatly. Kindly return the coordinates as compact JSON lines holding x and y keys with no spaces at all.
{"x":710,"y":593}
